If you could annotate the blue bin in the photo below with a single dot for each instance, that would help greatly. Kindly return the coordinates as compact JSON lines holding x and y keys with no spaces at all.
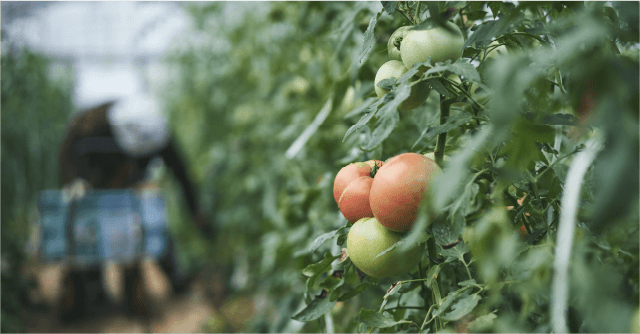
{"x":117,"y":225}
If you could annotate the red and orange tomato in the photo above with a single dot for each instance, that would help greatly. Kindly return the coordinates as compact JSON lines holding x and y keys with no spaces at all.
{"x":398,"y":189}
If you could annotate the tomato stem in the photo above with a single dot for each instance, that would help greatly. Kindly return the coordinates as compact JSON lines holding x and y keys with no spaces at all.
{"x":442,"y":138}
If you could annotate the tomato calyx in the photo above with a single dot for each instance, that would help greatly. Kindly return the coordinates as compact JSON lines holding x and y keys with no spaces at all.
{"x":374,"y":168}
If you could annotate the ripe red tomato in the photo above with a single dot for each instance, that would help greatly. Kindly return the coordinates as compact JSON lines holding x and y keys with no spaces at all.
{"x":398,"y":189}
{"x":351,"y":189}
{"x":354,"y":202}
{"x":349,"y":173}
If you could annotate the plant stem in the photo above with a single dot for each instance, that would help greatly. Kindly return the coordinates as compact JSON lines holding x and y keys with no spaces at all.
{"x":418,"y":12}
{"x":537,"y":177}
{"x":442,"y":138}
{"x":455,"y":84}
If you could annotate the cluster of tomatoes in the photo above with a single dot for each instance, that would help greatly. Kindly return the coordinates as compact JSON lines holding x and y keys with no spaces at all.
{"x":381,"y":199}
{"x":407,"y":47}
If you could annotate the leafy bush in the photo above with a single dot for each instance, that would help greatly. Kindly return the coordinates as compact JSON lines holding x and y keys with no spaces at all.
{"x":35,"y":108}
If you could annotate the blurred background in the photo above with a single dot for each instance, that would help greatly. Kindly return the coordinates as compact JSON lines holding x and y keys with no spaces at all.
{"x":243,"y":86}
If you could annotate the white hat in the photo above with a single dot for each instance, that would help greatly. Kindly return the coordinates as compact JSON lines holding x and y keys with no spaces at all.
{"x":138,"y":126}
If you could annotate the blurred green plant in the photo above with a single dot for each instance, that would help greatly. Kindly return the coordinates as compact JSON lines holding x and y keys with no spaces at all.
{"x":35,"y":108}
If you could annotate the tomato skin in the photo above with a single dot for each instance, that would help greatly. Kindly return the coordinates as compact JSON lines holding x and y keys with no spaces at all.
{"x":398,"y":189}
{"x":354,"y":202}
{"x":349,"y":173}
{"x":367,"y":238}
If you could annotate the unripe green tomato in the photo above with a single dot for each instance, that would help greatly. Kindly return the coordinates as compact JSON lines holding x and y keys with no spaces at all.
{"x":368,"y":238}
{"x":390,"y":69}
{"x":438,"y":43}
{"x":393,"y":45}
{"x":395,"y":68}
{"x":497,"y":52}
{"x":432,"y":156}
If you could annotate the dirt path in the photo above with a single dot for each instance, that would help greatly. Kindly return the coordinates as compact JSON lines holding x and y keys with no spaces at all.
{"x":188,"y":313}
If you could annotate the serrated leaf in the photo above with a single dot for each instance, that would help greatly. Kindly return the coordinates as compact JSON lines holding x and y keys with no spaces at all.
{"x":461,"y":68}
{"x":372,"y":318}
{"x":317,"y":308}
{"x":452,"y":122}
{"x":368,"y":36}
{"x":439,"y":87}
{"x":443,"y":234}
{"x":482,"y":324}
{"x":330,"y":283}
{"x":467,"y":282}
{"x":463,"y":307}
{"x":487,"y":31}
{"x":495,"y":7}
{"x":388,"y":83}
{"x":320,"y":267}
{"x":392,"y":291}
{"x":432,"y":274}
{"x":324,"y":237}
{"x":446,"y":302}
{"x":388,"y":116}
{"x":358,"y":290}
{"x":455,"y":253}
{"x":389,"y":6}
{"x":369,"y":113}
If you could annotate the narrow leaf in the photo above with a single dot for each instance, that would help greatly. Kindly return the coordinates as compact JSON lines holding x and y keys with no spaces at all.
{"x":368,"y":36}
{"x":372,"y":318}
{"x":320,"y":267}
{"x":317,"y":308}
{"x":462,"y":307}
{"x":358,"y":290}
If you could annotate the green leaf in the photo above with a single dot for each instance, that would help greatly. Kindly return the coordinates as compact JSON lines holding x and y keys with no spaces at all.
{"x":392,"y":291}
{"x":317,"y":308}
{"x":460,"y":67}
{"x":452,"y":122}
{"x":495,"y":7}
{"x":467,"y":282}
{"x":368,"y":36}
{"x":330,"y":283}
{"x":455,"y":253}
{"x":389,"y":117}
{"x":320,"y":267}
{"x":324,"y":237}
{"x":388,"y":83}
{"x":482,"y":324}
{"x":439,"y":87}
{"x":374,"y":319}
{"x":389,"y":6}
{"x":443,"y":234}
{"x":358,"y":290}
{"x":369,"y":113}
{"x":432,"y":274}
{"x":462,"y":307}
{"x":490,"y":29}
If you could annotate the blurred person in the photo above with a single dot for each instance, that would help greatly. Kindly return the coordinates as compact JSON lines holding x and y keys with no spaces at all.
{"x":110,"y":147}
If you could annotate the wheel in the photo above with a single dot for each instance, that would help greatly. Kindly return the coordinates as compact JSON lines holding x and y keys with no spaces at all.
{"x":72,"y":298}
{"x":135,"y":296}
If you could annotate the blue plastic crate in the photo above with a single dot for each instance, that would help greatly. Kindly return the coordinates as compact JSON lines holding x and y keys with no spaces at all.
{"x":117,"y":225}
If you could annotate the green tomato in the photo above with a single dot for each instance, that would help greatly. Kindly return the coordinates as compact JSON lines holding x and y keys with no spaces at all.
{"x":395,"y":68}
{"x":393,"y":46}
{"x":438,"y":43}
{"x":368,"y":238}
{"x":497,"y":52}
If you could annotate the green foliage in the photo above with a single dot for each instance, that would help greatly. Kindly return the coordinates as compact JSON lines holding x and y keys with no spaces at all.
{"x":35,"y":109}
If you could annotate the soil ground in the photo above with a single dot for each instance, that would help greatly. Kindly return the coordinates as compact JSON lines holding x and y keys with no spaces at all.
{"x":200,"y":309}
